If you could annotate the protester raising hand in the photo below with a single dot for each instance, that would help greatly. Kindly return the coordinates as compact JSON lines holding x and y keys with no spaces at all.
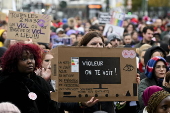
{"x":19,"y":77}
{"x":46,"y":73}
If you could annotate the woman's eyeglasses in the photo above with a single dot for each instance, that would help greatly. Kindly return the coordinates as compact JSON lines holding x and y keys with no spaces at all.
{"x":160,"y":67}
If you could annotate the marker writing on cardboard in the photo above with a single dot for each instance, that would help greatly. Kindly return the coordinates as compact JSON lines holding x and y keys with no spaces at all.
{"x":22,"y":25}
{"x":37,"y":31}
{"x":45,"y":19}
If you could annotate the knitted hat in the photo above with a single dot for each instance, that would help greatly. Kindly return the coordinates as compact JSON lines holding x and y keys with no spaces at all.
{"x":65,"y":26}
{"x":113,"y":36}
{"x":59,"y":29}
{"x":64,"y":20}
{"x":1,"y":31}
{"x":6,"y":107}
{"x":148,"y":92}
{"x":151,"y":64}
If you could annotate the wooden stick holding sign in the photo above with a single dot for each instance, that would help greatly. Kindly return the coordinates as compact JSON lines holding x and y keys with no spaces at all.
{"x":24,"y":26}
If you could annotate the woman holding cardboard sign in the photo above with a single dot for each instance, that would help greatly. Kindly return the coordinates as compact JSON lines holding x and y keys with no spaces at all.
{"x":21,"y":86}
{"x":92,"y":39}
{"x":95,"y":39}
{"x":45,"y":71}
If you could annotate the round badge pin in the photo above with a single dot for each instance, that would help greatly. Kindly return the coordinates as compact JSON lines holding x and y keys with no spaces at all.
{"x":125,"y":53}
{"x":132,"y":54}
{"x":32,"y":96}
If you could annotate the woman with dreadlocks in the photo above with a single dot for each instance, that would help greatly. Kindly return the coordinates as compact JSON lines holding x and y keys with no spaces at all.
{"x":147,"y":94}
{"x":159,"y":102}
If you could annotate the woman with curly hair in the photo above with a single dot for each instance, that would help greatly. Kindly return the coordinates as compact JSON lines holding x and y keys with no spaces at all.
{"x":147,"y":94}
{"x":21,"y":86}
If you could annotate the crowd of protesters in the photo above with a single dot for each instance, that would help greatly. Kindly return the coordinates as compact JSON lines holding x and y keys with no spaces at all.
{"x":26,"y":66}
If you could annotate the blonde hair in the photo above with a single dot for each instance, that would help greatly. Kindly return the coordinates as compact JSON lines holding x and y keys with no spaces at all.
{"x":143,"y":47}
{"x":71,"y":22}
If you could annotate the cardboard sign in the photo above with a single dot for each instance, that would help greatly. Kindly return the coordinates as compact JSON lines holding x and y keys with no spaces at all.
{"x":22,"y":26}
{"x":3,"y":16}
{"x":61,"y":41}
{"x":109,"y":29}
{"x":104,"y":18}
{"x":117,"y":18}
{"x":81,"y":73}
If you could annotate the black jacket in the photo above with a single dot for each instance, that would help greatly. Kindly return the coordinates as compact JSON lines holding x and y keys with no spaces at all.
{"x":15,"y":89}
{"x":138,"y":45}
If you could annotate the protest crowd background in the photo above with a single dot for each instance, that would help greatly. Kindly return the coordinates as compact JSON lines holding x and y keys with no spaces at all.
{"x":150,"y":38}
